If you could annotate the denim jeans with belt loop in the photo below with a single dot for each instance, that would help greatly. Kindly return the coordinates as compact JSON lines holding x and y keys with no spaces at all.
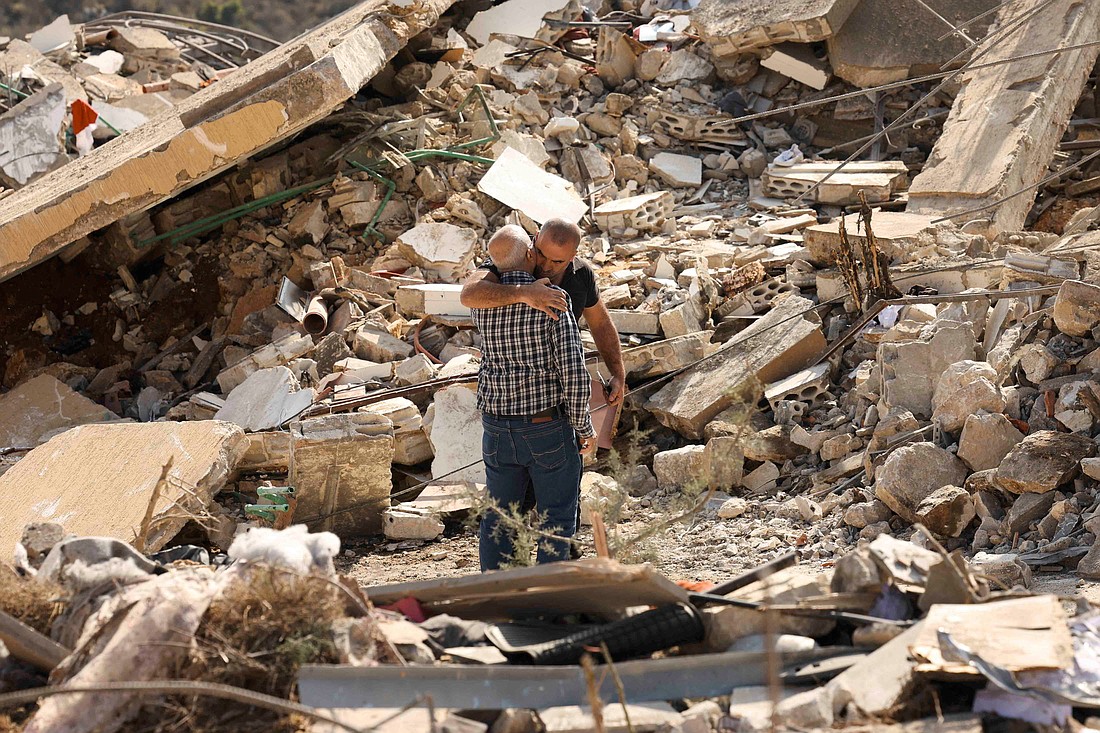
{"x":546,"y":454}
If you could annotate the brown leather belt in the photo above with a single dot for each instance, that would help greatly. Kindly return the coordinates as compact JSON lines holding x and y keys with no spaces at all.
{"x":550,"y":413}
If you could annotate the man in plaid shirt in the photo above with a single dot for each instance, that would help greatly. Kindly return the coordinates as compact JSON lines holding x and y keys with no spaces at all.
{"x":533,"y":391}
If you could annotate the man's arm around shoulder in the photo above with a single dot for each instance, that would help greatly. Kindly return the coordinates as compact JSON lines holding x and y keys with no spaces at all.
{"x":483,"y":289}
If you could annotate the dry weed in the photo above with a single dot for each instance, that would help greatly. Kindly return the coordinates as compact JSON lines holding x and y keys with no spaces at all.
{"x":35,"y":604}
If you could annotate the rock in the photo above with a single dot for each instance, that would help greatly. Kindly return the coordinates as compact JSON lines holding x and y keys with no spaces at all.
{"x":1042,"y":462}
{"x":453,"y":425}
{"x":912,"y":473}
{"x":410,"y":444}
{"x":684,"y":66}
{"x":863,"y":513}
{"x":772,"y":444}
{"x":1089,"y":565}
{"x":1008,"y":568}
{"x":379,"y":347}
{"x":603,"y":125}
{"x":266,"y":400}
{"x":1091,"y":468}
{"x":965,"y":388}
{"x":443,"y":251}
{"x":911,"y":369}
{"x":947,"y":511}
{"x":39,"y":538}
{"x":640,"y":481}
{"x":40,"y":408}
{"x":339,"y":462}
{"x":733,"y":508}
{"x":856,"y":572}
{"x":1038,"y":362}
{"x":561,"y":127}
{"x":986,"y":439}
{"x":1077,"y":309}
{"x":599,"y":494}
{"x":723,"y":462}
{"x":839,"y":446}
{"x":648,"y":65}
{"x":29,"y":134}
{"x":678,"y":171}
{"x":310,"y":224}
{"x":407,"y":523}
{"x":763,"y":478}
{"x":530,"y":109}
{"x":680,"y":467}
{"x":1027,"y":509}
{"x":753,"y":163}
{"x":417,"y":369}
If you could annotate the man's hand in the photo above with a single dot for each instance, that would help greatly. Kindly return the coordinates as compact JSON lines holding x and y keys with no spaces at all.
{"x":540,"y":296}
{"x":615,"y":390}
{"x":588,"y":446}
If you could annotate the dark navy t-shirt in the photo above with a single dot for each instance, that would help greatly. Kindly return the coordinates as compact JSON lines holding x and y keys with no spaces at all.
{"x":579,"y":282}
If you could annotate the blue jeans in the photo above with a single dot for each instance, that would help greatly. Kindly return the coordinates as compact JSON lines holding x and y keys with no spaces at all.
{"x":547,"y":456}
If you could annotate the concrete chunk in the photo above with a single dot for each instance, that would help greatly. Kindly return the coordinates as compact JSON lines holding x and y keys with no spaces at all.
{"x":911,"y":370}
{"x":403,"y":523}
{"x":1077,"y":309}
{"x":30,"y":137}
{"x":662,"y":357}
{"x":912,"y":473}
{"x":679,"y":171}
{"x":410,"y":444}
{"x":732,"y":28}
{"x":98,"y":479}
{"x":338,"y":462}
{"x":1042,"y":462}
{"x":1006,"y":122}
{"x":797,"y":61}
{"x":443,"y":251}
{"x":266,"y":400}
{"x":896,"y":232}
{"x":986,"y":439}
{"x":40,"y":408}
{"x":453,"y":425}
{"x":776,"y":346}
{"x":515,"y":181}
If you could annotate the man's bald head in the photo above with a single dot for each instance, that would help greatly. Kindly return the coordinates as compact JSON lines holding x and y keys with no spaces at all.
{"x":562,"y":233}
{"x":510,"y":249}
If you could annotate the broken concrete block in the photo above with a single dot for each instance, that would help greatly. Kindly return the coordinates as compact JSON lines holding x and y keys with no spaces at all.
{"x":408,"y":523}
{"x":515,"y":181}
{"x":678,"y":171}
{"x":662,"y":357}
{"x":453,"y":425}
{"x":40,"y":408}
{"x":964,"y":389}
{"x":417,"y":369}
{"x":986,"y":439}
{"x":896,"y":233}
{"x":879,"y":181}
{"x":340,"y":462}
{"x":684,"y":65}
{"x":1026,"y":510}
{"x":771,"y":444}
{"x":443,"y":251}
{"x":378,"y":346}
{"x":758,"y":355}
{"x":615,"y":57}
{"x":864,"y":513}
{"x":139,"y":46}
{"x":761,"y":479}
{"x":519,"y":17}
{"x":120,"y":466}
{"x":911,"y":370}
{"x":947,"y":511}
{"x":678,"y":468}
{"x":732,"y":28}
{"x":266,"y":400}
{"x":726,"y":624}
{"x":1042,"y":462}
{"x":723,"y":463}
{"x":310,"y":224}
{"x":30,"y":136}
{"x":987,"y":150}
{"x":756,"y":299}
{"x":684,"y":319}
{"x":282,"y":351}
{"x":434,"y":299}
{"x":646,"y":213}
{"x":639,"y":322}
{"x":267,"y":452}
{"x":1077,"y":309}
{"x":410,"y":444}
{"x":808,"y":385}
{"x":917,"y":43}
{"x":797,"y":61}
{"x":914,"y":472}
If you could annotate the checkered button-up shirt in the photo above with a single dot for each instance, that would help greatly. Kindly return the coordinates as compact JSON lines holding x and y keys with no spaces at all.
{"x":530,"y":362}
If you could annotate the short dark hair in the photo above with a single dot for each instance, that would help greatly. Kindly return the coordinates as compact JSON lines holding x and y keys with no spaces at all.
{"x":562,"y":231}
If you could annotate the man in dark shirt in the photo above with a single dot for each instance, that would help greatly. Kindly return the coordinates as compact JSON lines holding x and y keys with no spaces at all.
{"x":556,"y":264}
{"x":533,"y":391}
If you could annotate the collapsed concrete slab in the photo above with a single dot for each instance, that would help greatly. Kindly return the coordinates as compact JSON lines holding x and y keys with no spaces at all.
{"x":858,"y":55}
{"x":784,"y":341}
{"x":269,"y":100}
{"x":38,"y":409}
{"x":895,"y":232}
{"x":98,"y":480}
{"x":733,"y":28}
{"x":340,"y":465}
{"x":1006,"y":123}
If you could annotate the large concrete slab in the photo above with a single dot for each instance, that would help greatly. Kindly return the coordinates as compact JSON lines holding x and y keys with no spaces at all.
{"x":41,"y":407}
{"x":733,"y":27}
{"x":781,"y":343}
{"x":271,"y":99}
{"x":857,"y":52}
{"x":99,"y":479}
{"x":1006,"y":123}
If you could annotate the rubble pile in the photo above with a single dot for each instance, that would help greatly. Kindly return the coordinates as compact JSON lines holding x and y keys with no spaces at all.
{"x":821,"y":354}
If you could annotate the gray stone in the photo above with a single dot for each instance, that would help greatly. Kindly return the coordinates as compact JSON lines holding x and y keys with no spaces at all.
{"x":912,"y":473}
{"x":986,"y":439}
{"x":1026,"y":509}
{"x":1042,"y":462}
{"x":947,"y":511}
{"x":680,"y":467}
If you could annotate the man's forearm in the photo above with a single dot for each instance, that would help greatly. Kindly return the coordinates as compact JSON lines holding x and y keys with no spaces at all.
{"x":607,"y":344}
{"x":484,"y":294}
